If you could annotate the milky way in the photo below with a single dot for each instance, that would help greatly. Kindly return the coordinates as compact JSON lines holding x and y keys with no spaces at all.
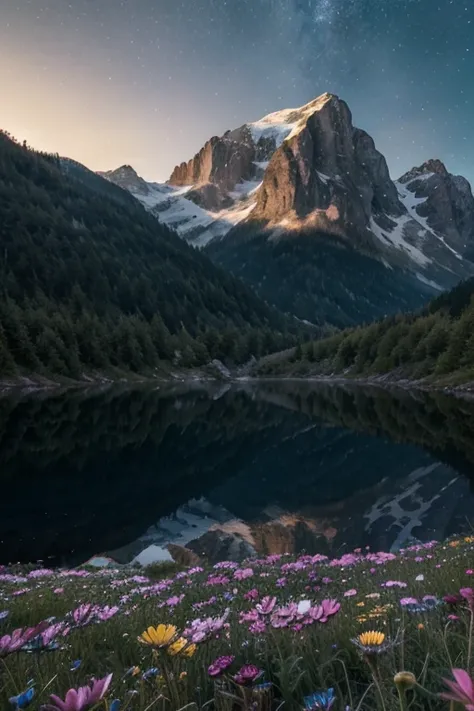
{"x":146,"y":82}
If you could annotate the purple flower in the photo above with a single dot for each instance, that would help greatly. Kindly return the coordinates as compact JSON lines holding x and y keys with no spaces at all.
{"x":251,"y":594}
{"x":266,"y":606}
{"x":105,"y":613}
{"x":220,"y":665}
{"x":468,"y":595}
{"x":40,"y":573}
{"x":330,"y":607}
{"x":46,"y":640}
{"x":250,"y":616}
{"x":408,"y":601}
{"x":202,"y":630}
{"x":243,"y":573}
{"x":18,"y":638}
{"x":258,"y":627}
{"x":452,"y":599}
{"x":394,"y":584}
{"x":247,"y":675}
{"x":81,"y":699}
{"x":460,"y":690}
{"x":217,"y":580}
{"x":350,"y":593}
{"x":83,"y":615}
{"x":226,"y":565}
{"x":4,"y":614}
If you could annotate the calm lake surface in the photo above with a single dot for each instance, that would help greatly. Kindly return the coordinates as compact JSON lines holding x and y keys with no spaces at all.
{"x":229,"y":472}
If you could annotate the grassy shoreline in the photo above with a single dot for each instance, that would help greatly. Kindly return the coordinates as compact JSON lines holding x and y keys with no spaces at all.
{"x":291,"y":618}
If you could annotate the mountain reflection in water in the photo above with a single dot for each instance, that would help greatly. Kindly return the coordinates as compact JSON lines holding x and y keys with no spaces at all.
{"x":230,"y":472}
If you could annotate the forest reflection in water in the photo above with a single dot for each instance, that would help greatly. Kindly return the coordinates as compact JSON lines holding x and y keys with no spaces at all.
{"x":230,"y":471}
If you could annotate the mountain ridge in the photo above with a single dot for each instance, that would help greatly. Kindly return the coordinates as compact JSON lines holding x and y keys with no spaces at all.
{"x":301,"y":205}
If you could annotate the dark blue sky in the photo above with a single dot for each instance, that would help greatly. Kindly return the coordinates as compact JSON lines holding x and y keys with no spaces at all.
{"x":146,"y":82}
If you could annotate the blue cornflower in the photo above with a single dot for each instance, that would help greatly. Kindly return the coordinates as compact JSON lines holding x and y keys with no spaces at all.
{"x":153,"y":671}
{"x":22,"y":700}
{"x":320,"y":700}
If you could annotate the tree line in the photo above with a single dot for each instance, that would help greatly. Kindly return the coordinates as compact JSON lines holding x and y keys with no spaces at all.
{"x":90,"y":281}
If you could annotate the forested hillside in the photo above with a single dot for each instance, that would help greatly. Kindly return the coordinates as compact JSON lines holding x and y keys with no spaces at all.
{"x":90,"y":281}
{"x":437,"y":343}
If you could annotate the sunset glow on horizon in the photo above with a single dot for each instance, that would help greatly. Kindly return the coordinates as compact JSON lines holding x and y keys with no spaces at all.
{"x":148,"y":82}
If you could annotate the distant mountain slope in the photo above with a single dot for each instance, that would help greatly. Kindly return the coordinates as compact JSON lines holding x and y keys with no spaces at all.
{"x":91,"y":281}
{"x":437,"y":344}
{"x":301,"y":205}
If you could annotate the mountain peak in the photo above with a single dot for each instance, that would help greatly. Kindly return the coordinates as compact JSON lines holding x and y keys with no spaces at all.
{"x":431,"y":167}
{"x":127,"y":178}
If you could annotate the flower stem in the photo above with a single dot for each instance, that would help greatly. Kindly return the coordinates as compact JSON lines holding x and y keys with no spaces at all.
{"x":373,"y":669}
{"x":469,"y":648}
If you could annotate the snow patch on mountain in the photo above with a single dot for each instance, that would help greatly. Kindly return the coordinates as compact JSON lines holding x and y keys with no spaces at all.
{"x":410,"y":201}
{"x":396,"y":238}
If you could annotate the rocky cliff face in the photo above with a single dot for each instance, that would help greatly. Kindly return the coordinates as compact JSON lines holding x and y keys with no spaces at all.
{"x":443,"y":201}
{"x":309,"y":173}
{"x":326,"y":174}
{"x":222,"y":162}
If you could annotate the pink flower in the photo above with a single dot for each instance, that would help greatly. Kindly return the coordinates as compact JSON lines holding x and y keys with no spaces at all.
{"x":469,"y":571}
{"x":408,"y":601}
{"x":250,"y":616}
{"x":251,"y":594}
{"x":19,"y":637}
{"x":175,"y":600}
{"x":258,"y":627}
{"x":461,"y":690}
{"x":266,"y":606}
{"x":83,"y":615}
{"x":217,"y":580}
{"x":330,"y":607}
{"x":81,"y":699}
{"x":105,"y":613}
{"x":468,"y":595}
{"x":394,"y":584}
{"x":350,"y":593}
{"x":243,"y":573}
{"x":453,"y":618}
{"x":58,"y":591}
{"x":247,"y":675}
{"x":220,"y":665}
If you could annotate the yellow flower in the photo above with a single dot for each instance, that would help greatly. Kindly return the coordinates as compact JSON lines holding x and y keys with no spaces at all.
{"x":161,"y":636}
{"x":360,"y":604}
{"x":421,"y":626}
{"x":181,"y":646}
{"x":454,"y":544}
{"x":469,"y":539}
{"x":371,"y":639}
{"x":183,"y":675}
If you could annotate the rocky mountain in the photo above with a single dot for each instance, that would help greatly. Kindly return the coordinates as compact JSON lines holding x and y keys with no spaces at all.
{"x":309,"y":173}
{"x":442,"y":202}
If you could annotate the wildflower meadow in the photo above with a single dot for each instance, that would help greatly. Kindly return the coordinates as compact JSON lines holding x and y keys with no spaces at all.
{"x":365,"y":631}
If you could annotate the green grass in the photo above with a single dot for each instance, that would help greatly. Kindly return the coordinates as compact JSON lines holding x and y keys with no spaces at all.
{"x":296,"y":661}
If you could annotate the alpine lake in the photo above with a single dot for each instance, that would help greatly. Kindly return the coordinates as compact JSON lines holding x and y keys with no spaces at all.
{"x":230,"y":471}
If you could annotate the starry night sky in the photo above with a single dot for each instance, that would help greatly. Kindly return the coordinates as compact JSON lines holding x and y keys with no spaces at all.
{"x":147,"y":82}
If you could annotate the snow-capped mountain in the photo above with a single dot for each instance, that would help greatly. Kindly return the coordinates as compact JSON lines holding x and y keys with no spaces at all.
{"x":309,"y":169}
